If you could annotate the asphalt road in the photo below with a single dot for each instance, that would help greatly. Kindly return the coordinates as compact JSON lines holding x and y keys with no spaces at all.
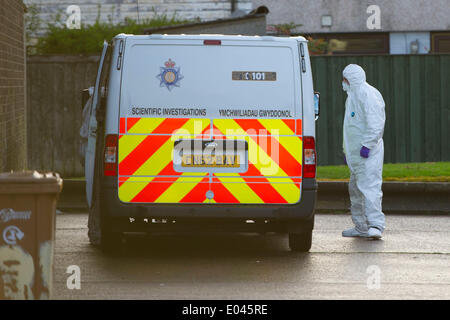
{"x":411,"y":262}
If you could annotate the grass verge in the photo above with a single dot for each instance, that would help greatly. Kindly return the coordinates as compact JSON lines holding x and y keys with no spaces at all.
{"x":414,"y":172}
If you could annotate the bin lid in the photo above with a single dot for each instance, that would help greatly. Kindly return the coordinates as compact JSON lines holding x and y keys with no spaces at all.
{"x":30,"y":181}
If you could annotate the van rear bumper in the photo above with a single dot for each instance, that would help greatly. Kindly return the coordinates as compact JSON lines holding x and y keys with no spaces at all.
{"x":114,"y":208}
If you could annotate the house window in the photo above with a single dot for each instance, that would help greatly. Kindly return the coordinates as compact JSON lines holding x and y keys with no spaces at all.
{"x":440,"y":42}
{"x":355,"y":43}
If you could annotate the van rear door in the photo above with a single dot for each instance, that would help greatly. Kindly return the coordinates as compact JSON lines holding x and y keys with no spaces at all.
{"x":210,"y":122}
{"x":89,"y":160}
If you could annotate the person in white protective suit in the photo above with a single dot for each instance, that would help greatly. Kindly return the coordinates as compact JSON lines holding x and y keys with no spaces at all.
{"x":364,"y":152}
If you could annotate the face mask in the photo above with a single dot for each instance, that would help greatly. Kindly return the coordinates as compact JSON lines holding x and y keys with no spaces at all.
{"x":345,"y":86}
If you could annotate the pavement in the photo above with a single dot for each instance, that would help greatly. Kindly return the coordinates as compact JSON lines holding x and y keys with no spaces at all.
{"x":410,"y":262}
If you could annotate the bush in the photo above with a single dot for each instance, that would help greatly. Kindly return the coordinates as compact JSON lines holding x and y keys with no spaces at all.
{"x":89,"y":38}
{"x":317,"y":46}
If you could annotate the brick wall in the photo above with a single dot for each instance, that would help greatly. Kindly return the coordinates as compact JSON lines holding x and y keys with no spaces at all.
{"x":12,"y":87}
{"x":118,"y":10}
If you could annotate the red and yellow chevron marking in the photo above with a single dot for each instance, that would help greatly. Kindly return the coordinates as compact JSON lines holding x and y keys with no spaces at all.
{"x":145,"y":159}
{"x":146,"y":173}
{"x":279,"y":154}
{"x":166,"y":125}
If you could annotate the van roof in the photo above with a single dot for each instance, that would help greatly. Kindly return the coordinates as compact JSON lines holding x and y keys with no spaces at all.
{"x":209,"y":36}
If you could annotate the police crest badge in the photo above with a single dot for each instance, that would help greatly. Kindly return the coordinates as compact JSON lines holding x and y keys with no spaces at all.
{"x":169,"y":75}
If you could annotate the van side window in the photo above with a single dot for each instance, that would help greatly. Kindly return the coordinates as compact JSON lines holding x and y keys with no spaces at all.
{"x":103,"y":87}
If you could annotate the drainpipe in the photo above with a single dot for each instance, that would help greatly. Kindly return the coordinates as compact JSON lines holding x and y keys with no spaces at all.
{"x":233,"y":5}
{"x":137,"y":9}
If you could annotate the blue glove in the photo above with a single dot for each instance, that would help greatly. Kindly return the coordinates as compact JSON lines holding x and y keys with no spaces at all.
{"x":364,"y":152}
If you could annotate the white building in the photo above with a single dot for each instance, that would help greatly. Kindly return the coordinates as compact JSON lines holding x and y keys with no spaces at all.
{"x":117,"y":10}
{"x":368,"y":26}
{"x":349,"y":26}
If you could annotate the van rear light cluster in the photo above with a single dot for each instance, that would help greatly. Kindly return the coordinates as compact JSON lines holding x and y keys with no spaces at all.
{"x":110,"y":155}
{"x":309,"y":157}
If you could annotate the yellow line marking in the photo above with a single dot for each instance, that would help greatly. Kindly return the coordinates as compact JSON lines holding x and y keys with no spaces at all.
{"x":127,"y":143}
{"x":162,"y":157}
{"x":257,"y":156}
{"x":178,"y":191}
{"x":128,"y":190}
{"x":278,"y":129}
{"x":146,"y":125}
{"x":241,"y":191}
{"x":277,"y":126}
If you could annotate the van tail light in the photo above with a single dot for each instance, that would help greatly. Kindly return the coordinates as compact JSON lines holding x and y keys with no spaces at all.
{"x":110,"y":156}
{"x":309,"y":157}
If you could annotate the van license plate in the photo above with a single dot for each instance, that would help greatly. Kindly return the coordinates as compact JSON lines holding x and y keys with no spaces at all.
{"x":212,"y":161}
{"x":210,"y":155}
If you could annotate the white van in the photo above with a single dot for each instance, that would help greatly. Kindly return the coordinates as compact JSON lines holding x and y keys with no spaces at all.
{"x":203,"y":132}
